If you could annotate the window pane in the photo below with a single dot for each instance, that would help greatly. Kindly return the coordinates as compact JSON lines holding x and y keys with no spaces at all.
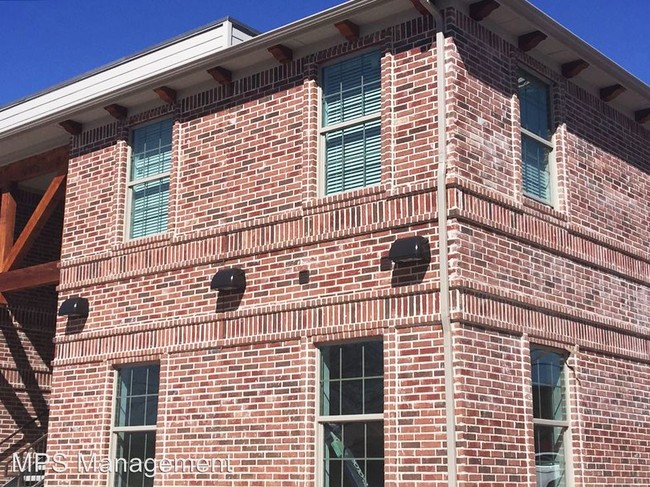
{"x":151,"y":149}
{"x":149,"y":204}
{"x":350,"y":442}
{"x":373,"y":360}
{"x":536,"y":173}
{"x":351,"y":89}
{"x":548,"y":384}
{"x":352,"y":379}
{"x":549,"y":456}
{"x":353,"y":157}
{"x":534,"y":105}
{"x":373,"y":396}
{"x":352,"y":397}
{"x":129,"y":446}
{"x":137,"y":396}
{"x":352,"y":360}
{"x":331,"y":398}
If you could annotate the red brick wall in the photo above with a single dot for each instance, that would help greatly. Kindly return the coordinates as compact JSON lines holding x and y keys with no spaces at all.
{"x":239,"y":377}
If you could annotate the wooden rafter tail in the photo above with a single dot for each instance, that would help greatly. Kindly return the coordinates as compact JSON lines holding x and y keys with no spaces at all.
{"x":35,"y":224}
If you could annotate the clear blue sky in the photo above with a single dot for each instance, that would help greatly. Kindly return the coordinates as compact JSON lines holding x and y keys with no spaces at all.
{"x":45,"y":42}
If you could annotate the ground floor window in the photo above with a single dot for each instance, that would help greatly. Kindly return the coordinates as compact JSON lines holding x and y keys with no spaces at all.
{"x":134,"y":425}
{"x":351,"y":414}
{"x":550,"y":416}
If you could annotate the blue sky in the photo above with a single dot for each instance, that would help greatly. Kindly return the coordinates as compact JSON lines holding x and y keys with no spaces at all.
{"x":45,"y":42}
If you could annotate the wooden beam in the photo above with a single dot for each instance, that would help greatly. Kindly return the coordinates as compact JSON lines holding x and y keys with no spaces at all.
{"x":116,"y":111}
{"x":609,"y":93}
{"x":574,"y":68}
{"x":348,"y":29}
{"x":282,"y":54}
{"x":420,"y":8}
{"x":55,"y":160}
{"x":35,"y":224}
{"x":642,"y":116}
{"x":531,"y":40}
{"x":72,"y":127}
{"x":166,"y":94}
{"x":7,"y":221}
{"x":481,"y":10}
{"x":30,"y":277}
{"x":221,"y":75}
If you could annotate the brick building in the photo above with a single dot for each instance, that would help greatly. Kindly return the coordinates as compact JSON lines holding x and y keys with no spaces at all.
{"x":394,"y":243}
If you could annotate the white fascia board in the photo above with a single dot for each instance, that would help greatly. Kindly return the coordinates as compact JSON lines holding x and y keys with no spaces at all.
{"x":114,"y":81}
{"x":552,"y":28}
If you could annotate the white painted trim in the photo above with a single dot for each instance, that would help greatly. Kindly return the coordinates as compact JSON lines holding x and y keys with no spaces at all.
{"x":113,"y":82}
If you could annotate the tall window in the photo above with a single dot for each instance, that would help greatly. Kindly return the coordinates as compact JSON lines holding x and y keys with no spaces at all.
{"x":351,"y":415}
{"x":536,"y":137}
{"x":350,"y":125}
{"x":550,"y":416}
{"x":134,"y":427}
{"x":149,"y":178}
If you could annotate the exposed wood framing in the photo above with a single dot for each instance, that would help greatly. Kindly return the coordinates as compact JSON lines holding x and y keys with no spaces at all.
{"x":610,"y":93}
{"x":574,"y":68}
{"x":72,"y":127}
{"x":480,"y":10}
{"x":221,"y":75}
{"x":42,"y":213}
{"x":420,"y":8}
{"x":642,"y":116}
{"x":12,"y":253}
{"x":30,"y":277}
{"x":283,"y":54}
{"x":7,"y":224}
{"x":348,"y":29}
{"x":116,"y":111}
{"x":55,"y":160}
{"x":531,"y":40}
{"x":166,"y":94}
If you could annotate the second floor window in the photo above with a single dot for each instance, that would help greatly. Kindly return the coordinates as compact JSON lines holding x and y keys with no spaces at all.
{"x":151,"y":149}
{"x":536,"y":137}
{"x":350,"y":125}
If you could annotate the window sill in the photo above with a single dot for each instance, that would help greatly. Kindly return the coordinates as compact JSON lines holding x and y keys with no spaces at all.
{"x":544,"y":208}
{"x":346,"y":198}
{"x":148,"y":241}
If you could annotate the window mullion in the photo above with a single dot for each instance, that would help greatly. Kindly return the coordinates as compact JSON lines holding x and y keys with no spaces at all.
{"x":349,"y":123}
{"x":148,"y":179}
{"x":537,"y":138}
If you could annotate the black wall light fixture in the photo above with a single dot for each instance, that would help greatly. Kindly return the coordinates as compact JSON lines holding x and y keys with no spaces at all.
{"x":74,"y":308}
{"x":410,"y":249}
{"x":233,"y":279}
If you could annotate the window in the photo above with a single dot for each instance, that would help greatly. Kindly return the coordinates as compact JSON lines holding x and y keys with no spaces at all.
{"x":536,"y":137}
{"x":149,"y":178}
{"x":550,"y":416}
{"x":350,"y":126}
{"x":134,"y":426}
{"x":351,"y":415}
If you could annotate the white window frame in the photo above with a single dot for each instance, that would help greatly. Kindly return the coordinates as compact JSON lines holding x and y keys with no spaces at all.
{"x":345,"y":418}
{"x":565,"y":423}
{"x":116,"y":430}
{"x":324,"y":130}
{"x":131,"y":183}
{"x":550,"y":143}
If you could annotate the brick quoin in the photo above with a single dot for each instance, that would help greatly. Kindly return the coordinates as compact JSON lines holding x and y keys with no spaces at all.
{"x":239,"y":375}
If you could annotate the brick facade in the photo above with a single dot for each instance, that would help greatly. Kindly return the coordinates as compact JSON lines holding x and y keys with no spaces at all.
{"x":238,"y":375}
